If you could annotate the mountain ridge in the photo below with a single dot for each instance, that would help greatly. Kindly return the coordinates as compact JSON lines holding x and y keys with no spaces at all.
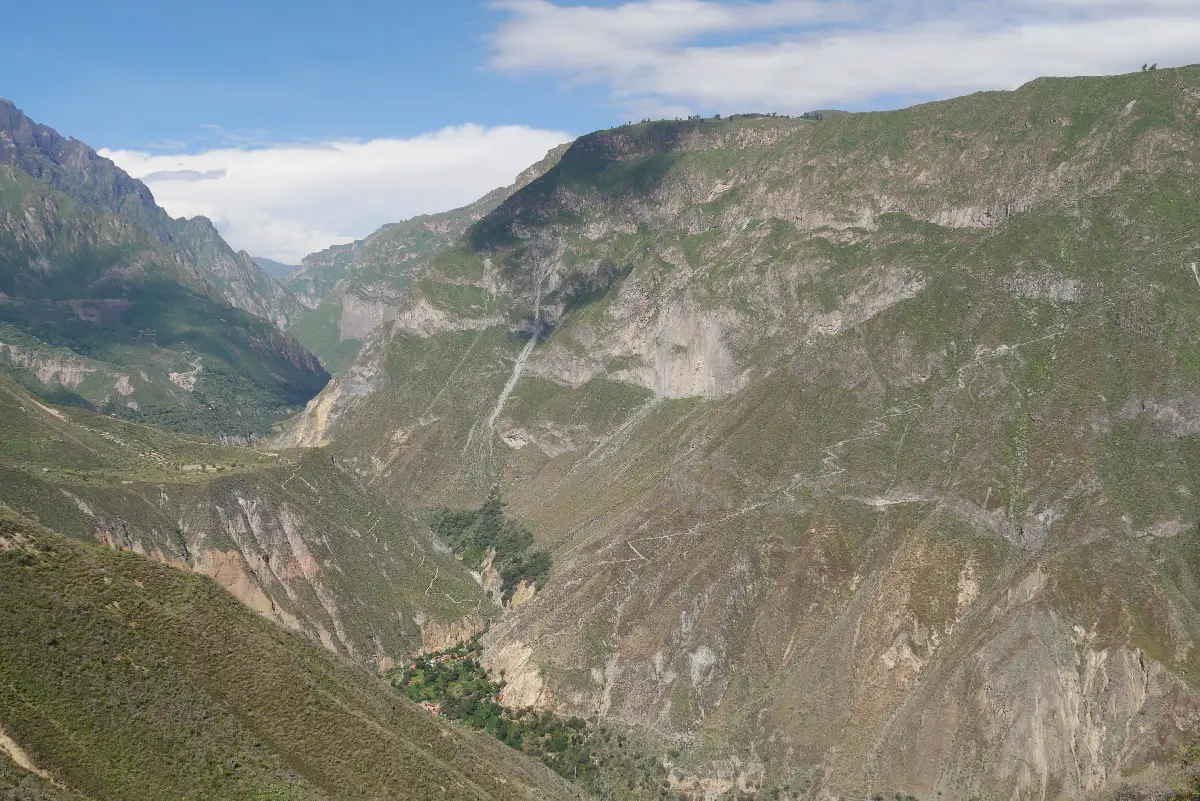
{"x":73,"y":168}
{"x":110,"y":304}
{"x":848,"y":436}
{"x":354,"y":288}
{"x":277,"y":270}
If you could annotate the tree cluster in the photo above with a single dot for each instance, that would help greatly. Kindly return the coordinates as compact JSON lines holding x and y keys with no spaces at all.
{"x":456,"y":682}
{"x":473,"y":534}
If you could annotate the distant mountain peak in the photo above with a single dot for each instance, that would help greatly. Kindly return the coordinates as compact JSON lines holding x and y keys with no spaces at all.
{"x":276,"y":269}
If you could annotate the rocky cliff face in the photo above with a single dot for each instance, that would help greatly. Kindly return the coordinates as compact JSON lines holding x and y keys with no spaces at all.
{"x":864,"y":445}
{"x":66,"y":369}
{"x":355,"y":288}
{"x":356,"y":586}
{"x":74,"y":169}
{"x":319,"y":273}
{"x":276,"y":269}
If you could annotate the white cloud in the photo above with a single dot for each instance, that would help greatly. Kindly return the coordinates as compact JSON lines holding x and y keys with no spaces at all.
{"x":796,"y":55}
{"x":285,"y":201}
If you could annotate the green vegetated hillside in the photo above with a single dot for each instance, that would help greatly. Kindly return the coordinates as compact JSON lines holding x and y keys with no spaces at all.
{"x":107,"y":303}
{"x":120,"y":678}
{"x":355,"y":288}
{"x":487,"y":540}
{"x":77,"y":171}
{"x":608,"y":763}
{"x":291,"y":535}
{"x":865,"y":447}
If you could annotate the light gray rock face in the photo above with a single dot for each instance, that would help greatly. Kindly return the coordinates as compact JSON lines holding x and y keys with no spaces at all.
{"x":319,"y":273}
{"x":360,"y":317}
{"x":62,"y":369}
{"x":354,"y":288}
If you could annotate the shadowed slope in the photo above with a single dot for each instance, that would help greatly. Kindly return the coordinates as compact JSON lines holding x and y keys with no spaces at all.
{"x":106,"y":302}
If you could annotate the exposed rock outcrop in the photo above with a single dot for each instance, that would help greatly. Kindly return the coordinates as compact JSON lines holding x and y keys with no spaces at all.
{"x":437,"y":637}
{"x":63,"y":369}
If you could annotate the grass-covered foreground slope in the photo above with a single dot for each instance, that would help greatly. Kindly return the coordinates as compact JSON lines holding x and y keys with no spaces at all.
{"x":865,"y":447}
{"x":121,"y":678}
{"x":293,"y":536}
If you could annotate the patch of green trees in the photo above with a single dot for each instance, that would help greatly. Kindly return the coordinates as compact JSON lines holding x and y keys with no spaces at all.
{"x":607,"y":762}
{"x":458,"y":684}
{"x":474,"y":533}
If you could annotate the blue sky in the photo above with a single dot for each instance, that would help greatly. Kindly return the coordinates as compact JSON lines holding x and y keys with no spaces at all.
{"x":296,"y":126}
{"x":125,"y":74}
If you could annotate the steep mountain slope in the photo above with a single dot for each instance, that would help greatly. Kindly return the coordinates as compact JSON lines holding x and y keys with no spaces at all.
{"x":120,"y":678}
{"x":74,"y":169}
{"x":105,"y":301}
{"x":296,"y":539}
{"x":355,"y":288}
{"x":235,"y":277}
{"x":866,"y":446}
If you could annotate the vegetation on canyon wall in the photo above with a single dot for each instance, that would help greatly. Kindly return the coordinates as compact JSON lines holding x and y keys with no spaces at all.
{"x":487,"y":534}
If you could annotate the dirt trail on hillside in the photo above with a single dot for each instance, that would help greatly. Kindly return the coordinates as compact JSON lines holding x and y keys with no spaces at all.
{"x":21,"y":757}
